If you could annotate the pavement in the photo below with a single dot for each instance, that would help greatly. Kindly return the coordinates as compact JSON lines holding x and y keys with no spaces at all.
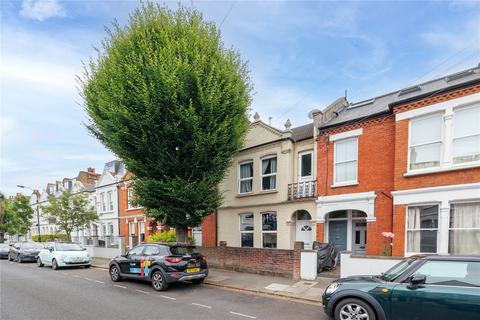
{"x":303,"y":291}
{"x":30,"y":292}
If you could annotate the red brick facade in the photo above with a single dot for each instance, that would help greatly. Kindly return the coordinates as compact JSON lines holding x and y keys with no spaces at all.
{"x":209,"y":231}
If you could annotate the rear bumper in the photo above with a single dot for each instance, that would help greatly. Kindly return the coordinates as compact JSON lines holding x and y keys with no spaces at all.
{"x":31,"y":258}
{"x":183,"y":276}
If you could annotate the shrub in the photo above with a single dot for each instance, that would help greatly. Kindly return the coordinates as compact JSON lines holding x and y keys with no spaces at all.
{"x":166,"y":236}
{"x":50,"y":237}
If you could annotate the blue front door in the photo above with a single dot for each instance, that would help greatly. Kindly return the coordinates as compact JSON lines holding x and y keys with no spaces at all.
{"x":337,"y":234}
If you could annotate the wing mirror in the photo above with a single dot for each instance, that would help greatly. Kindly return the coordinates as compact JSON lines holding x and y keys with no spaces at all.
{"x":416,"y":280}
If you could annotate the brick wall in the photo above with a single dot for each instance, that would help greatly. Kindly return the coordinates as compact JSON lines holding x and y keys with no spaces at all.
{"x":399,"y":220}
{"x":277,"y":262}
{"x":209,"y":231}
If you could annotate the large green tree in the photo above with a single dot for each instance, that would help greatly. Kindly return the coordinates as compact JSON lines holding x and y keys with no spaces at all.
{"x":167,"y":97}
{"x":16,"y":216}
{"x":71,"y":211}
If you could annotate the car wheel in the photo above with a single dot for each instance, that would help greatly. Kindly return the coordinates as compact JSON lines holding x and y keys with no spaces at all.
{"x":354,"y":309}
{"x":115,"y":274}
{"x":158,"y":281}
{"x":39,"y":262}
{"x":54,"y":264}
{"x":87,"y":266}
{"x":198,"y":281}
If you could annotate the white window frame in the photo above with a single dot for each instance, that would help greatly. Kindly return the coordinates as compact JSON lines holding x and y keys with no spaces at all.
{"x":110,"y":200}
{"x":441,"y":141}
{"x":450,"y":215}
{"x":240,"y":180}
{"x":247,"y":231}
{"x":268,"y":231}
{"x":439,"y":226}
{"x":474,"y":106}
{"x":268,"y":174}
{"x":102,"y":202}
{"x":110,"y":229}
{"x":300,"y":166}
{"x":349,"y":182}
{"x":131,"y":227}
{"x":130,"y":195}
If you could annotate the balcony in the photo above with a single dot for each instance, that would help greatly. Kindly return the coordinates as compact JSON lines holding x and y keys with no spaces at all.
{"x":301,"y":190}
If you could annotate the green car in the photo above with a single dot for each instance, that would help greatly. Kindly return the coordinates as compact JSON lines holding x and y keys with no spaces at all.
{"x":420,"y":287}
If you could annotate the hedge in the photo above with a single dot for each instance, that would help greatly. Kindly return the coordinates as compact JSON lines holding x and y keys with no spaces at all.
{"x":50,"y":237}
{"x":166,"y":236}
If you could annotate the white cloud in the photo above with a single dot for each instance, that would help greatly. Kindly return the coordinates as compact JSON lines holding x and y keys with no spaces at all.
{"x":89,"y":157}
{"x":41,"y":9}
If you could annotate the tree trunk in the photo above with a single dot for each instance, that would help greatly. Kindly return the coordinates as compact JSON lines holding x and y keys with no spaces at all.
{"x":181,"y":234}
{"x":2,"y":236}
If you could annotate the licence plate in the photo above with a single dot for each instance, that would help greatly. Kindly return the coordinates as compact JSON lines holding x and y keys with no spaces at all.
{"x":193,"y":270}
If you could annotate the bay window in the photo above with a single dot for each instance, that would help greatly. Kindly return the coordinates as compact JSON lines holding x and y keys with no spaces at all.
{"x":426,"y":141}
{"x":422,"y":229}
{"x":466,"y":135}
{"x":269,"y":174}
{"x":464,"y":232}
{"x":246,"y":229}
{"x":346,"y":161}
{"x":246,"y":177}
{"x":269,"y":230}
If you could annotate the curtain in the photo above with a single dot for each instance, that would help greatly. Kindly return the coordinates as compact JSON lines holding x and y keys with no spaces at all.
{"x":246,"y":171}
{"x":465,"y":215}
{"x":413,"y":222}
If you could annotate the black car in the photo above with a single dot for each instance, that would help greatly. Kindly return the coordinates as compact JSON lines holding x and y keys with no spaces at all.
{"x":161,"y":264}
{"x":417,"y":288}
{"x":24,"y":251}
{"x":4,"y":249}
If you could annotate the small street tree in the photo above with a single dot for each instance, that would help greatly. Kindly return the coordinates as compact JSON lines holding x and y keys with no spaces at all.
{"x":70,"y":211}
{"x":171,"y":101}
{"x":15,"y":217}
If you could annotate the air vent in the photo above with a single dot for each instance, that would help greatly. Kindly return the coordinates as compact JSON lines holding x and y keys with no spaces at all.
{"x":361,"y":104}
{"x":409,"y":90}
{"x":459,"y":75}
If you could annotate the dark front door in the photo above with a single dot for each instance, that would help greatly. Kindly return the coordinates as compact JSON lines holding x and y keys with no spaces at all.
{"x":131,"y":264}
{"x":337,"y":234}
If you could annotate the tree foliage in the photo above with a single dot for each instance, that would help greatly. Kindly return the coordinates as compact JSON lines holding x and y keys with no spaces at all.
{"x":70,"y":211}
{"x":171,"y":101}
{"x":16,"y":216}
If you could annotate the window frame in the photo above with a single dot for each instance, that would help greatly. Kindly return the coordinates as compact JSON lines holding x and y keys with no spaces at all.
{"x":348,"y":182}
{"x":246,"y":231}
{"x":270,"y":231}
{"x":438,"y":229}
{"x":271,"y":156}
{"x":476,"y":134}
{"x":442,"y":141}
{"x":130,"y":195}
{"x":110,"y":200}
{"x":102,"y":202}
{"x":300,"y":166}
{"x":240,"y":179}
{"x":449,"y":228}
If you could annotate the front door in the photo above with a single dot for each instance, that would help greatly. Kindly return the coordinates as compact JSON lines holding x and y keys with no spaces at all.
{"x":337,"y":234}
{"x":304,"y":233}
{"x":359,"y":237}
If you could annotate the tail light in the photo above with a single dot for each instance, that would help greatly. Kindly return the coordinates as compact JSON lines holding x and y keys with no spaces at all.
{"x":173,"y":259}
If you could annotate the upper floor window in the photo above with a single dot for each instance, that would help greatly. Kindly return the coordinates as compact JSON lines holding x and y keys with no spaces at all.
{"x":346,"y":161}
{"x":466,"y":135}
{"x":130,"y":199}
{"x":102,"y":202}
{"x":246,"y":177}
{"x":426,"y":141}
{"x":269,"y":174}
{"x":110,"y":200}
{"x":305,"y":166}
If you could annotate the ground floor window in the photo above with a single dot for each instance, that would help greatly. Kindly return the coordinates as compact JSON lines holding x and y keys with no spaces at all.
{"x":464,"y":232}
{"x":269,"y":230}
{"x":246,"y":229}
{"x":141,"y":231}
{"x":422,"y":229}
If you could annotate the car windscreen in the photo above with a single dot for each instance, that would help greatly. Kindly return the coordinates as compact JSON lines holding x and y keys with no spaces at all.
{"x":68,"y":247}
{"x":183,"y":250}
{"x":31,"y":245}
{"x":395,"y":271}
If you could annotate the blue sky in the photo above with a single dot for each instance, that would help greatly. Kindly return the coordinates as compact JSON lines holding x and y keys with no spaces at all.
{"x":302,"y":55}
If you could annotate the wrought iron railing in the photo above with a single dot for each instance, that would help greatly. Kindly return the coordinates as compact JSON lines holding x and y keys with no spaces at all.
{"x":302,"y":190}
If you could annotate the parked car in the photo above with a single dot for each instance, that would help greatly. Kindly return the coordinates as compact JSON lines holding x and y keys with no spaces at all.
{"x":63,"y":254}
{"x":4,"y":249}
{"x":161,"y":264}
{"x":24,"y":251}
{"x":419,"y":287}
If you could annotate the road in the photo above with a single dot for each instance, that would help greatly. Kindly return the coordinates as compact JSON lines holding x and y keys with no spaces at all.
{"x":29,"y":292}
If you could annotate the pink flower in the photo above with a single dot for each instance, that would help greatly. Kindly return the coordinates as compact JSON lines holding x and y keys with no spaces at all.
{"x":388,"y":234}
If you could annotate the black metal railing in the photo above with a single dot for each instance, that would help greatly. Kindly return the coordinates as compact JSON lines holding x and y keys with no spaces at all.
{"x":302,"y":190}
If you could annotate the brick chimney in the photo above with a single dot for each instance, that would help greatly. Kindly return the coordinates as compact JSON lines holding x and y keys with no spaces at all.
{"x":90,"y":170}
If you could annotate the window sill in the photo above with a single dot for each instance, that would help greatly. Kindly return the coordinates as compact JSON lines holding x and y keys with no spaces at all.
{"x":136,"y":208}
{"x":441,"y":169}
{"x":344,"y":184}
{"x":250,"y":194}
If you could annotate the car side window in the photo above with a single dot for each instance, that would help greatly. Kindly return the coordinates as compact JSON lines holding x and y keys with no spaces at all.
{"x":151,"y":251}
{"x":137,"y":251}
{"x":451,"y":273}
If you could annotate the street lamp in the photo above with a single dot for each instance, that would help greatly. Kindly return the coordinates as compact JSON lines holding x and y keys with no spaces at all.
{"x":38,"y":212}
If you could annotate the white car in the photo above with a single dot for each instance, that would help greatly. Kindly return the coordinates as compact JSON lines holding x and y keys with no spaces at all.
{"x":60,"y":254}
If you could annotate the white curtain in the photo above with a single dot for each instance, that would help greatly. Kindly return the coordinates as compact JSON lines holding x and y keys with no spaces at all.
{"x":465,"y":215}
{"x":413,"y":237}
{"x":246,"y":171}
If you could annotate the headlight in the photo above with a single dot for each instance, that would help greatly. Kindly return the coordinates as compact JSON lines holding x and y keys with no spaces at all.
{"x":332,"y":288}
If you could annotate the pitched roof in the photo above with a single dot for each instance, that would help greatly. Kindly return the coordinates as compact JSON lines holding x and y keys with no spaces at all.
{"x":381,"y":104}
{"x":302,"y":132}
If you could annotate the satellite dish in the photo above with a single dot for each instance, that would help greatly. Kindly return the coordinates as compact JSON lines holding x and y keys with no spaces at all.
{"x":311,"y":113}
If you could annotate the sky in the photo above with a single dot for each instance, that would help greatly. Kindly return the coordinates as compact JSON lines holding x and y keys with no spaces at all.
{"x":301,"y":55}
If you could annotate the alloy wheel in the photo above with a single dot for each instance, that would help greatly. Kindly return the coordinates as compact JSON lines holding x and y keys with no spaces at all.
{"x":114,"y":273}
{"x":353,"y":311}
{"x":157,"y":281}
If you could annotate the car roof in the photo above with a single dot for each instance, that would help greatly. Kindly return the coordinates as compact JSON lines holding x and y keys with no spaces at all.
{"x":436,"y":257}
